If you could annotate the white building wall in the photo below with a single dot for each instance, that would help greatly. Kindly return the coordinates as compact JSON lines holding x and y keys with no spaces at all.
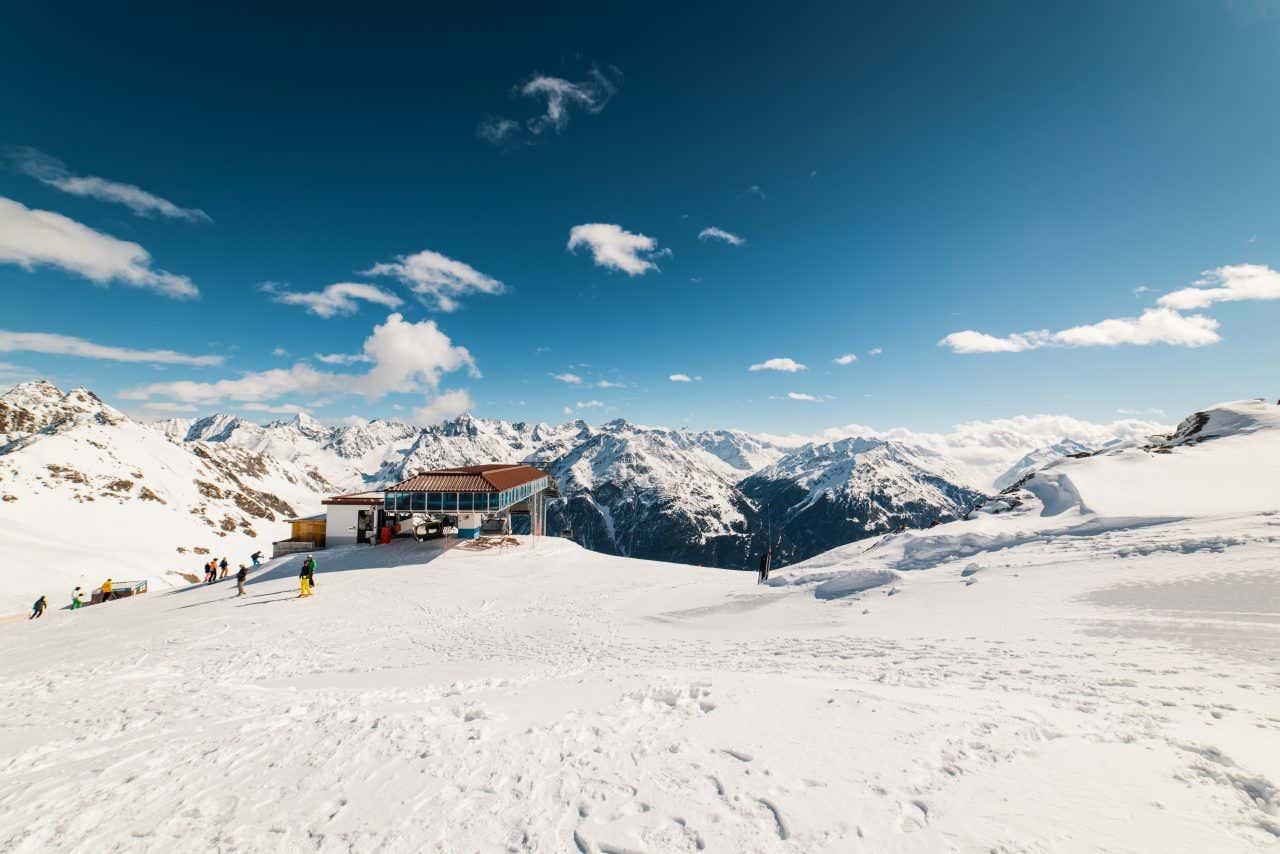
{"x":340,"y":523}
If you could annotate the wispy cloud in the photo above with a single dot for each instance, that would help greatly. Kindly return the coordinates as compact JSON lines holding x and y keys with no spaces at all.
{"x":590,"y":404}
{"x":1154,"y":326}
{"x":846,"y":359}
{"x":438,"y":279}
{"x":52,"y":171}
{"x":336,"y":299}
{"x":342,"y":358}
{"x":809,"y":398}
{"x":784,"y":364}
{"x":616,"y":248}
{"x":713,"y":233}
{"x":32,"y":238}
{"x":560,"y":98}
{"x":404,"y":357}
{"x":66,"y":345}
{"x":1234,"y":283}
{"x":609,"y":384}
{"x":280,"y":352}
{"x":683,"y":378}
{"x":875,"y":351}
{"x":571,"y":379}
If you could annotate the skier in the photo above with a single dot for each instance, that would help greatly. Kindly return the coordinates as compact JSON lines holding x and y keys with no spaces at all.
{"x":107,"y":592}
{"x":764,"y":565}
{"x":240,"y":577}
{"x":306,"y":576}
{"x":37,"y":610}
{"x":76,"y":601}
{"x":256,"y":557}
{"x":213,"y":572}
{"x":223,"y":567}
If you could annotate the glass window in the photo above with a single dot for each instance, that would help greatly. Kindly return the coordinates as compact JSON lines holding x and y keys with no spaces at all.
{"x":464,"y":500}
{"x":450,"y":500}
{"x":434,"y":501}
{"x":418,"y":502}
{"x":388,"y":501}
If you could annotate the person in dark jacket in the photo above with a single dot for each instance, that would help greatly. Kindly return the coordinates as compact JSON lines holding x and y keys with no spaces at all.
{"x":307,"y":576}
{"x":37,"y":610}
{"x":765,"y":559}
{"x":240,"y":577}
{"x":256,"y":557}
{"x":223,"y":566}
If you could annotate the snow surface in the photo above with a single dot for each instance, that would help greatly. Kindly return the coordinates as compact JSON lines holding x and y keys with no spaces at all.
{"x":1042,"y":677}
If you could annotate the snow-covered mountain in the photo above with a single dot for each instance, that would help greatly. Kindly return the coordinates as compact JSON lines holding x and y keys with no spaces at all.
{"x":1039,"y":458}
{"x":827,"y":493}
{"x":642,"y":492}
{"x":89,"y":493}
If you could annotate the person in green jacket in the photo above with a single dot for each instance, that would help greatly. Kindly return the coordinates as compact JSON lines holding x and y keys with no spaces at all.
{"x":76,"y":601}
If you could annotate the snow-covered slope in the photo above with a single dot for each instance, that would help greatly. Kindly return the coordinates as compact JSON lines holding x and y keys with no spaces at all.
{"x":86,"y":494}
{"x":1034,"y":684}
{"x":1225,"y":459}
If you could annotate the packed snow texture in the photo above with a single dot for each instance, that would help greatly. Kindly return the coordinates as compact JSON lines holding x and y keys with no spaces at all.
{"x":1044,"y":676}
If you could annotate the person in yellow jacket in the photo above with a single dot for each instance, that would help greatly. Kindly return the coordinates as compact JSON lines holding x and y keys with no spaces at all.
{"x":106,"y":590}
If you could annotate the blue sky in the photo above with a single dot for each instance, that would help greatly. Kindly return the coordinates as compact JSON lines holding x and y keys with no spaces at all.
{"x":895,"y":176}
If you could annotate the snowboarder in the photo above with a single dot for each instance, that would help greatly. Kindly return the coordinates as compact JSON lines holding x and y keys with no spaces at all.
{"x":76,"y":601}
{"x":764,"y":565}
{"x":240,"y":577}
{"x":223,"y":567}
{"x":37,"y":610}
{"x":256,"y":557}
{"x":107,"y":592}
{"x":306,"y":576}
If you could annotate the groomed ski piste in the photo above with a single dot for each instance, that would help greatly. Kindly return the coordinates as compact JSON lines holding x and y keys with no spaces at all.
{"x":1088,"y":664}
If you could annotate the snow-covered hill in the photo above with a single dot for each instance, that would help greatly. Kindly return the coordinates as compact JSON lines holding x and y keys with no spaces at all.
{"x":86,"y":494}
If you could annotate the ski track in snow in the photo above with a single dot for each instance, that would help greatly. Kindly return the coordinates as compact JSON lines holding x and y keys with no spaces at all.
{"x":557,"y":700}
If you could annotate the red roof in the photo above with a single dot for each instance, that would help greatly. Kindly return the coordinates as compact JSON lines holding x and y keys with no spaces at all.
{"x":491,"y":477}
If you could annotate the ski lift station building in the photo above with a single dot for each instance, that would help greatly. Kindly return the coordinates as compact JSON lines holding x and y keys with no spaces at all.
{"x":471,"y":497}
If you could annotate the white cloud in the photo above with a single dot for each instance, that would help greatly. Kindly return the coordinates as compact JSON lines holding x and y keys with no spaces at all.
{"x":66,"y":345}
{"x":275,"y":409}
{"x":568,"y":410}
{"x":30,"y":238}
{"x":795,"y":395}
{"x":497,"y":130}
{"x":681,"y":378}
{"x":438,"y":279}
{"x":280,"y":352}
{"x":561,"y":98}
{"x":354,"y":421}
{"x":1154,"y":326}
{"x":754,"y":190}
{"x":1234,"y":283}
{"x":335,"y":299}
{"x":614,"y":247}
{"x":571,"y":379}
{"x":1151,"y":412}
{"x":442,"y":407}
{"x":169,"y":406}
{"x":609,"y":384}
{"x":405,"y":357}
{"x":713,"y":233}
{"x":790,"y":366}
{"x":875,"y":351}
{"x":342,"y":358}
{"x":590,"y":404}
{"x":52,"y":171}
{"x":846,"y":359}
